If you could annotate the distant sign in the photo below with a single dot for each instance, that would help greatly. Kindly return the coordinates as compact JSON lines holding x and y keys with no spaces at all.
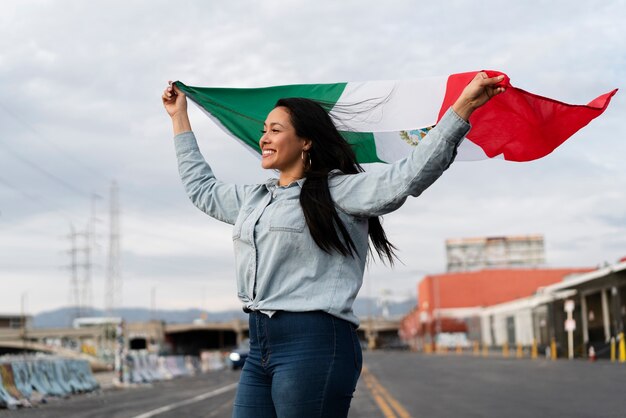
{"x":570,"y":325}
{"x":569,"y":305}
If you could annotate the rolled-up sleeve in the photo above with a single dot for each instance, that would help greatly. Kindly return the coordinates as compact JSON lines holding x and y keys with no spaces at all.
{"x":381,"y":191}
{"x":220,"y":200}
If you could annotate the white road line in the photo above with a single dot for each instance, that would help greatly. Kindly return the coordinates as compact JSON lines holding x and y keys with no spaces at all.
{"x":195,"y":399}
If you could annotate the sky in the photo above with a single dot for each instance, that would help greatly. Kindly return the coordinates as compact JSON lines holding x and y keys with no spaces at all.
{"x":80,"y":108}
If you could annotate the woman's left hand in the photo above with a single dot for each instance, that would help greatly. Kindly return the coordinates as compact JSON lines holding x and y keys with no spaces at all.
{"x":477,"y":93}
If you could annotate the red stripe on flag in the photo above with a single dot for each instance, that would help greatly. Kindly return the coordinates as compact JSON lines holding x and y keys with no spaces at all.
{"x":522,"y":126}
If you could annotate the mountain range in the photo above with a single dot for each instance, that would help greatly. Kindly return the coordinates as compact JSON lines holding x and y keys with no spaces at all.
{"x":62,"y":317}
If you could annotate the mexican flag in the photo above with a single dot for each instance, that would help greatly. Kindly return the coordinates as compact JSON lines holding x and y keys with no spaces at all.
{"x":383,"y":120}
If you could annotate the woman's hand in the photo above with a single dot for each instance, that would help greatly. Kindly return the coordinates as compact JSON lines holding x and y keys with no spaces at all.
{"x":175,"y":103}
{"x":174,"y":100}
{"x":477,"y":93}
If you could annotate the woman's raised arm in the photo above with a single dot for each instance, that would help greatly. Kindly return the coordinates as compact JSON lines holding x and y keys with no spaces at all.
{"x":220,"y":200}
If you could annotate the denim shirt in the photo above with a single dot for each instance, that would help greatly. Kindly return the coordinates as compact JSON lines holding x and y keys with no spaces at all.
{"x":278,"y":265}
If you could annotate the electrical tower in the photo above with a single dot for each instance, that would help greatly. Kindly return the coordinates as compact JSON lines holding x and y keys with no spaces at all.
{"x":74,"y":295}
{"x":89,"y":237}
{"x":113,"y":291}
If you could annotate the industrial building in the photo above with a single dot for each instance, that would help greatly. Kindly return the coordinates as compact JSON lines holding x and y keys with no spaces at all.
{"x":521,"y":306}
{"x":468,"y":254}
{"x":454,"y":302}
{"x":15,"y":321}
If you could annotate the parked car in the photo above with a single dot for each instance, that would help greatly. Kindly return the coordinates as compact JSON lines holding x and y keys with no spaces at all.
{"x":237,"y":357}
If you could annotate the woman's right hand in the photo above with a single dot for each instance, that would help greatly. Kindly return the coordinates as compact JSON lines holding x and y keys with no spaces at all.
{"x":478,"y":92}
{"x":174,"y":100}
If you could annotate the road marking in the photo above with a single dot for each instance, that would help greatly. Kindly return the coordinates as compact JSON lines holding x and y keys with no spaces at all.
{"x":387,"y":404}
{"x":195,"y":399}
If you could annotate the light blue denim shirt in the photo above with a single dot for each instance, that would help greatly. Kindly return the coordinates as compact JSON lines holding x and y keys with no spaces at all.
{"x":278,"y":265}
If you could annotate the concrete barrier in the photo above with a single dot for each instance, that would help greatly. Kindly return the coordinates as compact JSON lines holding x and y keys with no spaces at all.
{"x":22,"y":378}
{"x":25,"y":380}
{"x":211,"y":361}
{"x":8,"y":381}
{"x":9,"y":395}
{"x":6,"y":400}
{"x":174,"y":366}
{"x":144,"y":367}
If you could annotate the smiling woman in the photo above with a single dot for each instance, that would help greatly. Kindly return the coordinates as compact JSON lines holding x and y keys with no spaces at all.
{"x":301,"y":244}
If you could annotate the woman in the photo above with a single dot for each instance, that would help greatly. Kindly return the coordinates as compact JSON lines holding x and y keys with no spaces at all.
{"x":301,"y":244}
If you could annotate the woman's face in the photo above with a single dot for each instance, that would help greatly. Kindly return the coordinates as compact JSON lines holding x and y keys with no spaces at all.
{"x":281,"y":148}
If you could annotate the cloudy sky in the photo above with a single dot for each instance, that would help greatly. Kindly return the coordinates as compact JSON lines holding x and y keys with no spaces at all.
{"x":80,"y":107}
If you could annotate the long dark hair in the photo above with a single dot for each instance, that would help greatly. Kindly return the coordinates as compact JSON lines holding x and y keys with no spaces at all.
{"x":329,"y":151}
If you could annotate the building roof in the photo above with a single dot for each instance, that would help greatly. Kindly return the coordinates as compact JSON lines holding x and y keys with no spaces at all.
{"x":486,"y":287}
{"x":587,"y":277}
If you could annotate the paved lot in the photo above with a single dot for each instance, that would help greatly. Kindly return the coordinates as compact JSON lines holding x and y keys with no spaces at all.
{"x":394,"y":384}
{"x":451,"y":386}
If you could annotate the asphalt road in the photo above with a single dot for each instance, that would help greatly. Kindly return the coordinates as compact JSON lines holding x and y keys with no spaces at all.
{"x":393,"y":385}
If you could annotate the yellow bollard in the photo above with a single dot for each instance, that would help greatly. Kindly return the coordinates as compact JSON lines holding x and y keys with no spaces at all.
{"x":476,"y":348}
{"x":622,"y":348}
{"x":533,"y":350}
{"x":459,"y":349}
{"x":612,"y":349}
{"x":520,"y":352}
{"x":485,"y":350}
{"x":505,"y":350}
{"x":553,"y":352}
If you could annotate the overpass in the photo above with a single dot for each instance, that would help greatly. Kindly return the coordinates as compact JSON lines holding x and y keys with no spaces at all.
{"x":99,"y":342}
{"x":193,"y":338}
{"x":65,"y":342}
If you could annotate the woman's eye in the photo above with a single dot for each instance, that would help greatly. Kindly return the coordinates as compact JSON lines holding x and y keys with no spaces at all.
{"x":263,"y":131}
{"x":275,"y":130}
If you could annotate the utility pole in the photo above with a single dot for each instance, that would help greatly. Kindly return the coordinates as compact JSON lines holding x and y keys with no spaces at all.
{"x":74,"y":295}
{"x":113,"y":291}
{"x":23,"y":321}
{"x":153,"y":303}
{"x":384,"y":302}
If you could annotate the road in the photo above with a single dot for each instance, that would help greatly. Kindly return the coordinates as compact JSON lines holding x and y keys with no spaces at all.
{"x":393,"y":385}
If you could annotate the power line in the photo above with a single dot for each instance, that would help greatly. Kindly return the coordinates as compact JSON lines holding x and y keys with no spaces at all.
{"x":42,"y":138}
{"x":69,"y":156}
{"x":76,"y":161}
{"x":44,"y":172}
{"x":132,"y":230}
{"x":67,"y":216}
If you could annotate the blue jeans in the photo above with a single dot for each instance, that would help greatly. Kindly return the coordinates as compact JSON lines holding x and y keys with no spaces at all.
{"x":301,"y":364}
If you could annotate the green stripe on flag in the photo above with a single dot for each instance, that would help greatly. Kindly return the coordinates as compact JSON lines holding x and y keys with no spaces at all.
{"x":364,"y":146}
{"x":243,"y":111}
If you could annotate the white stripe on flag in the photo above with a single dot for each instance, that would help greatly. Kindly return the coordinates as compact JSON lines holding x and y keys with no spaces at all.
{"x":408,"y":104}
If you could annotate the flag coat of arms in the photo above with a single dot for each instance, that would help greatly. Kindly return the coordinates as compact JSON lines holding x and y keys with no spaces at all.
{"x":384,"y":120}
